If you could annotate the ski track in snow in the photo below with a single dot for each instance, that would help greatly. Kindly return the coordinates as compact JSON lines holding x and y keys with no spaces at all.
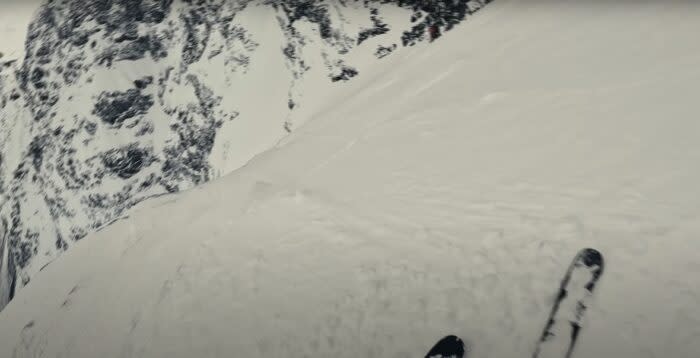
{"x":390,"y":221}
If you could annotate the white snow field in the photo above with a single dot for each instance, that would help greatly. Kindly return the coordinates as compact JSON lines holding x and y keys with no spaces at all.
{"x":15,"y":15}
{"x":443,"y":192}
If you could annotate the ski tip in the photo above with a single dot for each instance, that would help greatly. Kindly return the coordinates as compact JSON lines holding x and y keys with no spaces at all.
{"x":448,"y":347}
{"x":591,"y":257}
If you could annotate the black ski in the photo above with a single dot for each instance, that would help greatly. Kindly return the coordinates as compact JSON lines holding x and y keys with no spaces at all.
{"x":448,"y":347}
{"x":564,"y":323}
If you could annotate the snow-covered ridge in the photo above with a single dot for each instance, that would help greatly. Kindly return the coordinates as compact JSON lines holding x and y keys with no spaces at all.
{"x":119,"y":101}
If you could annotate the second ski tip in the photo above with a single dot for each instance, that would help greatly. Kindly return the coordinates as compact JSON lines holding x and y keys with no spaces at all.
{"x":591,"y":257}
{"x":449,"y":347}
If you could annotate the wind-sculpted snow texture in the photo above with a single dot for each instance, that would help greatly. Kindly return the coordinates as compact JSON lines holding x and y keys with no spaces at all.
{"x":117,"y":101}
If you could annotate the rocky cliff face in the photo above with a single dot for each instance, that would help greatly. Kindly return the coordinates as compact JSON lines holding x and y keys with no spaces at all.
{"x":117,"y":101}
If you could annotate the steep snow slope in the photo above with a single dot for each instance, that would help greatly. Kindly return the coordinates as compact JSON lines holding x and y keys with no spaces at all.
{"x":14,"y":17}
{"x":119,"y":101}
{"x":444,"y":192}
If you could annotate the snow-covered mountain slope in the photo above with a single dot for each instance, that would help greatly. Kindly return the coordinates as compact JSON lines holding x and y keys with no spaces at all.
{"x":119,"y":101}
{"x":444,"y":192}
{"x":14,"y":17}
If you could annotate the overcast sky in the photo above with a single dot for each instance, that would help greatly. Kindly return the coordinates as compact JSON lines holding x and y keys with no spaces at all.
{"x":15,"y":16}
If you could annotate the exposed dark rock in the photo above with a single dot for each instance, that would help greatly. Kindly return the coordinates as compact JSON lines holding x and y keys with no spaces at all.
{"x":197,"y":31}
{"x":36,"y":151}
{"x":443,"y":14}
{"x":136,"y":49}
{"x":383,"y":51}
{"x":74,"y":69}
{"x":91,"y":127}
{"x":145,"y":128}
{"x":60,"y":243}
{"x":379,"y":28}
{"x":77,"y":233}
{"x":144,"y":82}
{"x":37,"y":76}
{"x":345,"y":74}
{"x":314,"y":11}
{"x":127,"y":161}
{"x":22,"y":245}
{"x":81,"y":39}
{"x":115,"y":107}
